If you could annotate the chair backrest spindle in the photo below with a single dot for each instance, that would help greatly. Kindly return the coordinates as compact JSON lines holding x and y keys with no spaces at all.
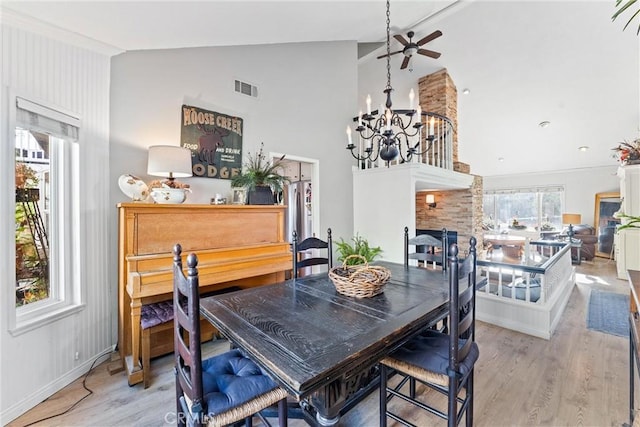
{"x":433,"y":250}
{"x":462,"y":273}
{"x":311,"y":243}
{"x":188,"y":358}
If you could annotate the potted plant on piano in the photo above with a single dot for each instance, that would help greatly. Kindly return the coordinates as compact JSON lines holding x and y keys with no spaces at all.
{"x":261,"y":178}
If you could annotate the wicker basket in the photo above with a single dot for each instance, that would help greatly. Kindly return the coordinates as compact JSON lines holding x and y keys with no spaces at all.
{"x":360,"y":281}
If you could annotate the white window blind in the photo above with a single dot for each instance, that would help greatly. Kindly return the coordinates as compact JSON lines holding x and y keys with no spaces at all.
{"x":38,"y":117}
{"x":545,"y":189}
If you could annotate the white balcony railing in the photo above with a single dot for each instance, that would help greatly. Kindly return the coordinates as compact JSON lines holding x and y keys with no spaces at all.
{"x":528,"y":297}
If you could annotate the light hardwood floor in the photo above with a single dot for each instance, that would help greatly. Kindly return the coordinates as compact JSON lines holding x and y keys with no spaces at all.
{"x":578,"y":378}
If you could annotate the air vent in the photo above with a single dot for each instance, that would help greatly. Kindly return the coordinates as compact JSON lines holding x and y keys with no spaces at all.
{"x":246,"y":89}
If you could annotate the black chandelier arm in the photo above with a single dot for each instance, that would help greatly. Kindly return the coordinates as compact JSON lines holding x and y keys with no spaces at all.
{"x":377,"y":141}
{"x":369,"y":117}
{"x":370,"y":152}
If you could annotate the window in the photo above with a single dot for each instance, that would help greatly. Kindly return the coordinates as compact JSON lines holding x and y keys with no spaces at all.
{"x":531,"y":209}
{"x":46,"y":213}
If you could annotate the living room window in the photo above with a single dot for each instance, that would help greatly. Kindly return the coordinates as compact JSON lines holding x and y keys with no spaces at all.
{"x":531,"y":209}
{"x":46,"y":214}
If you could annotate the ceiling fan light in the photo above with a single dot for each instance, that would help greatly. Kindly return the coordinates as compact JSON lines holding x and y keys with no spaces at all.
{"x":409,"y":51}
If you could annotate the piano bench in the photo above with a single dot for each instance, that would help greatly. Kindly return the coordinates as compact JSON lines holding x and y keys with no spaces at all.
{"x":156,"y":320}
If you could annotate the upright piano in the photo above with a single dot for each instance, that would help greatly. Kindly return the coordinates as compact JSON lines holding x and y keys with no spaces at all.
{"x":237,"y":246}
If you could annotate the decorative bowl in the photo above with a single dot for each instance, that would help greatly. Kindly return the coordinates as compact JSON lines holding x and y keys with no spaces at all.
{"x":169,"y":195}
{"x":133,"y":187}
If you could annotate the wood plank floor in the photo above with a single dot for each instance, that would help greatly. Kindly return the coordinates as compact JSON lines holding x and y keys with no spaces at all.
{"x":578,"y":378}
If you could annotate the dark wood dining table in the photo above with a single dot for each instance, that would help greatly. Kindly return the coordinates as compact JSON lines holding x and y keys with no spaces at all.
{"x":321,"y":346}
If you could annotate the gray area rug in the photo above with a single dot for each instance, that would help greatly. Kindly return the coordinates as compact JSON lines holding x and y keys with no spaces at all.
{"x":608,"y":312}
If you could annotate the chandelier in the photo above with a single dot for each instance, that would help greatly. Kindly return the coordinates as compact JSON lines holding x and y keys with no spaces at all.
{"x":387,"y":133}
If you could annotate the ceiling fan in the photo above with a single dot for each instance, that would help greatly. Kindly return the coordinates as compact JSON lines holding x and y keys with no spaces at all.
{"x":411,"y":47}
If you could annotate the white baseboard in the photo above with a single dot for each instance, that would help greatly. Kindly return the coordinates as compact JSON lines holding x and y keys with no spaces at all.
{"x":48,"y":390}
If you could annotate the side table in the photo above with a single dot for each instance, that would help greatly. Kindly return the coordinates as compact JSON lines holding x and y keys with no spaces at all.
{"x":577,"y":243}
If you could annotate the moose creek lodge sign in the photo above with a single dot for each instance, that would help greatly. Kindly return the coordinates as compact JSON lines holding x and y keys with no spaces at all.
{"x":215,"y":141}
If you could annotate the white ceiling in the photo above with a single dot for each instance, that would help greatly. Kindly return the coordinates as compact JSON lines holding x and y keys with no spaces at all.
{"x":524,"y":61}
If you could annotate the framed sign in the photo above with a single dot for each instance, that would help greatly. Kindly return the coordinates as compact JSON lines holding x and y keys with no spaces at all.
{"x":215,"y":140}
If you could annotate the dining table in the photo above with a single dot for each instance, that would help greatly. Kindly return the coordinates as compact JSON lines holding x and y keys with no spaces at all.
{"x":321,"y":346}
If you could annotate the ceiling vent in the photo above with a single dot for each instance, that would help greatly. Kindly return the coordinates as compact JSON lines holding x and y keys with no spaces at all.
{"x":246,"y":89}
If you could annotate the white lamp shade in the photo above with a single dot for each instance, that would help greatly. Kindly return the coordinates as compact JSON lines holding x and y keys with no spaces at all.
{"x":169,"y":161}
{"x":431,"y":199}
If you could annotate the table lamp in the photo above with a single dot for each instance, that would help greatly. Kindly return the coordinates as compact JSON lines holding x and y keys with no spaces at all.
{"x":571,"y":218}
{"x":169,"y":161}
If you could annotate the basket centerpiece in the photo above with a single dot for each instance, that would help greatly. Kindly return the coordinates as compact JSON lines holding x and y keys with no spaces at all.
{"x":359,"y":280}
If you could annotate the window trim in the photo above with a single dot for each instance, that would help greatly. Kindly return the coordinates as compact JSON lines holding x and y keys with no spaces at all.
{"x":538,"y":190}
{"x":69,"y":297}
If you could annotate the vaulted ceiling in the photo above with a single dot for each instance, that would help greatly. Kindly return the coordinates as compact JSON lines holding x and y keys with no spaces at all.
{"x":524,"y":62}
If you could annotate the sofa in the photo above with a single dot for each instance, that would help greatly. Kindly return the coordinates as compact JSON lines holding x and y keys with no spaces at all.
{"x":589,"y":238}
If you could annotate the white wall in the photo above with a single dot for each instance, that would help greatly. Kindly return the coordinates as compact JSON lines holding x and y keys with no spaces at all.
{"x":580,"y":186}
{"x":39,"y":362}
{"x":307,"y":94}
{"x":384,"y":203}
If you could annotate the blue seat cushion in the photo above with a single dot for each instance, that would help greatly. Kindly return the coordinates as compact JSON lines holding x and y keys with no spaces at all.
{"x":430,"y":351}
{"x":231,"y":379}
{"x":521,"y":289}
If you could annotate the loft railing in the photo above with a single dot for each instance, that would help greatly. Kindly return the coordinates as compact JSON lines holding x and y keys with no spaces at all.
{"x":546,"y":269}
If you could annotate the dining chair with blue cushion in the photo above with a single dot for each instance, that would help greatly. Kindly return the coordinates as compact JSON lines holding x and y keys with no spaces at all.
{"x":223,"y":389}
{"x":311,"y":243}
{"x":442,"y":362}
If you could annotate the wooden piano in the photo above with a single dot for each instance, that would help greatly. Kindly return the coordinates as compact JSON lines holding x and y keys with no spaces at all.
{"x":237,"y":245}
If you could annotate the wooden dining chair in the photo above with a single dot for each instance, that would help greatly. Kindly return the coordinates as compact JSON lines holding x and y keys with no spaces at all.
{"x":428,"y":249}
{"x":442,"y":362}
{"x":225,"y":388}
{"x":311,"y":243}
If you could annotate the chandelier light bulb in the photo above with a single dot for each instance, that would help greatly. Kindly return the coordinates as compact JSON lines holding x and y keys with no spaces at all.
{"x":368,"y":105}
{"x":411,"y":97}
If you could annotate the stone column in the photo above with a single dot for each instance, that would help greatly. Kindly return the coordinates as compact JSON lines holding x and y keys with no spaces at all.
{"x":438,"y":94}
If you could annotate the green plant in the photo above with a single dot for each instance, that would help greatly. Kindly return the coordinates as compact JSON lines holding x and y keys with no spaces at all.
{"x":624,"y":7}
{"x":631,"y":221}
{"x":258,"y":171}
{"x":360,"y":247}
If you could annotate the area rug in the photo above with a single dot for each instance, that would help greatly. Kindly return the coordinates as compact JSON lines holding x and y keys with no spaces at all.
{"x":608,"y":312}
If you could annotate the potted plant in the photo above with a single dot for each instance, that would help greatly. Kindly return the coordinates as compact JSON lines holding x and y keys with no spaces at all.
{"x":261,"y":178}
{"x":360,"y":246}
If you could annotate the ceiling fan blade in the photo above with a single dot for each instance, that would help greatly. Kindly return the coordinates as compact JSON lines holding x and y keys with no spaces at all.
{"x":392,"y":53}
{"x":405,"y":62}
{"x":429,"y":53}
{"x":430,"y":37}
{"x":401,"y":39}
